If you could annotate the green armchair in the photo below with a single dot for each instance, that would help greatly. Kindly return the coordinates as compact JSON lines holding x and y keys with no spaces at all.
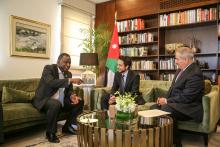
{"x":151,"y":89}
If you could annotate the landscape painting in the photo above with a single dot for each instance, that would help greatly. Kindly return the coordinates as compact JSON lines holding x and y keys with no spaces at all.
{"x":29,"y":38}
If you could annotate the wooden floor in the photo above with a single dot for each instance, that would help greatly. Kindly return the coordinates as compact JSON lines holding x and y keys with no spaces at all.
{"x":26,"y":138}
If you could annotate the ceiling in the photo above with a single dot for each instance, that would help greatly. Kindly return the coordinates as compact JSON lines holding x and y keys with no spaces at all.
{"x":98,"y":1}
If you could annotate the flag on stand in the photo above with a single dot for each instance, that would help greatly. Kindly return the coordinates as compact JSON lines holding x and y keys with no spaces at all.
{"x":113,"y":55}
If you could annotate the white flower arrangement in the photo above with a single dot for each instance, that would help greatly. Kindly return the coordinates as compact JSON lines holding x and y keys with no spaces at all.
{"x":125,"y":103}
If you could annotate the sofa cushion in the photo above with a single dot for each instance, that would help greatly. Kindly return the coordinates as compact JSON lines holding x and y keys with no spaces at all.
{"x":10,"y":95}
{"x":146,"y":106}
{"x":17,"y":113}
{"x":148,"y":94}
{"x":208,"y":86}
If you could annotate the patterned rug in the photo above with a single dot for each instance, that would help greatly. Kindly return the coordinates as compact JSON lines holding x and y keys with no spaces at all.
{"x":65,"y":140}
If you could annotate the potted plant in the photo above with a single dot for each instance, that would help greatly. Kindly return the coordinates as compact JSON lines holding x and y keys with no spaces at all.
{"x":96,"y":40}
{"x":125,"y":106}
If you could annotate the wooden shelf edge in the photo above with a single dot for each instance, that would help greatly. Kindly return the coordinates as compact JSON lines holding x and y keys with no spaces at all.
{"x":137,"y":31}
{"x":197,"y":24}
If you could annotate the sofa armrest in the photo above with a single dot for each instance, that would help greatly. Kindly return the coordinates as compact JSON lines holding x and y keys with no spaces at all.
{"x":211,"y":108}
{"x":96,"y":95}
{"x":1,"y":122}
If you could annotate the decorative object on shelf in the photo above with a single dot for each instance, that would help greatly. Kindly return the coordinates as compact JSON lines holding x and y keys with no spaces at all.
{"x":89,"y":59}
{"x":125,"y":106}
{"x":29,"y":38}
{"x":202,"y":64}
{"x":170,"y":48}
{"x":194,"y":45}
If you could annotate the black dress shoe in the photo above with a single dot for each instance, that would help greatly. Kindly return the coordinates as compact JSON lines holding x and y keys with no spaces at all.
{"x":178,"y":145}
{"x":69,"y":130}
{"x":52,"y":137}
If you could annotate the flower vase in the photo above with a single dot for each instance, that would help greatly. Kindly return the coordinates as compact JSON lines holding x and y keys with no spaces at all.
{"x":124,"y":116}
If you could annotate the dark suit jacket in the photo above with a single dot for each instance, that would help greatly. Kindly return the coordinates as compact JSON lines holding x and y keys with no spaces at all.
{"x":49,"y":84}
{"x":131,"y":85}
{"x":185,"y":95}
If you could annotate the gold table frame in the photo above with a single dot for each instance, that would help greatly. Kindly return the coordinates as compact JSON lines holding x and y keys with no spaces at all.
{"x":90,"y":135}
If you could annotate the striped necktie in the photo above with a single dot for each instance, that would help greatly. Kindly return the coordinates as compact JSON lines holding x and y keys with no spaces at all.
{"x":179,"y":74}
{"x":122,"y":83}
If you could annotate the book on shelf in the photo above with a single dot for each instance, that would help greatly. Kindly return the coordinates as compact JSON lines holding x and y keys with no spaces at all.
{"x":131,"y":25}
{"x":143,"y":65}
{"x":166,"y":77}
{"x":134,"y":51}
{"x":168,"y":64}
{"x":188,"y":16}
{"x":134,"y":38}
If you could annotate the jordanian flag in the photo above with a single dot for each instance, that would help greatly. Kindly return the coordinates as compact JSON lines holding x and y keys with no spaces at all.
{"x":113,"y":55}
{"x":114,"y":51}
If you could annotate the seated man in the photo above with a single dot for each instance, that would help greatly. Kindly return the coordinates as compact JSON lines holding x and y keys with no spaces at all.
{"x":184,"y":98}
{"x":125,"y":80}
{"x":54,"y":93}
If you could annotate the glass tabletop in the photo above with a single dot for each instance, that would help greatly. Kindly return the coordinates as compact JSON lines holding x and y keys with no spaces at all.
{"x":102,"y":119}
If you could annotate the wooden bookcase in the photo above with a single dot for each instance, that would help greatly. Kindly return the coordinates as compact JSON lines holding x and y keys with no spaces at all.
{"x":146,"y":45}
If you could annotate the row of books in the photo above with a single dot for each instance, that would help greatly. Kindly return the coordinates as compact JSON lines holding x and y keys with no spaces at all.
{"x":188,"y":16}
{"x":166,"y":77}
{"x":143,"y":65}
{"x":168,"y":64}
{"x":134,"y":51}
{"x":130,"y":25}
{"x":136,"y":38}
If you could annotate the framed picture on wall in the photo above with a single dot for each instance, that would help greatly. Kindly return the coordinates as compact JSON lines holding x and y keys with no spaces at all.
{"x":29,"y":38}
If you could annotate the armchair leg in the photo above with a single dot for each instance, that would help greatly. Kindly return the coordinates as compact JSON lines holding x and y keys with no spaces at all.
{"x":206,"y":138}
{"x":1,"y":138}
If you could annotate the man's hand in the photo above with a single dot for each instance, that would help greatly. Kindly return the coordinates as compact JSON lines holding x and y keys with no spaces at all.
{"x":74,"y":99}
{"x":161,"y":101}
{"x":111,"y":100}
{"x":75,"y":81}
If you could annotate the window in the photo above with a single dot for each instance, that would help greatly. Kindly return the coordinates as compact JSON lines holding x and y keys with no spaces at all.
{"x":73,"y":20}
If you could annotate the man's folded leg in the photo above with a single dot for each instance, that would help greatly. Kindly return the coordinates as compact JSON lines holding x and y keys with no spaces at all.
{"x":74,"y":111}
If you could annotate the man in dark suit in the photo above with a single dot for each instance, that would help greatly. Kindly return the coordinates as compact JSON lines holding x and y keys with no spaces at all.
{"x":125,"y":80}
{"x":184,"y":98}
{"x":55,"y":93}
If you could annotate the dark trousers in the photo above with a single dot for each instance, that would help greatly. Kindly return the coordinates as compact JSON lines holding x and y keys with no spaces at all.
{"x":176,"y":115}
{"x":104,"y":101}
{"x":53,"y":107}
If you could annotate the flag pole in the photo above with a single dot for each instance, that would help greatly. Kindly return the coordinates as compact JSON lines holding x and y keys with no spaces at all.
{"x":115,"y":16}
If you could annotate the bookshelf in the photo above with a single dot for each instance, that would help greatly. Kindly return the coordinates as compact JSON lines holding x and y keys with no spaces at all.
{"x":138,"y":39}
{"x":144,"y":39}
{"x":192,"y":26}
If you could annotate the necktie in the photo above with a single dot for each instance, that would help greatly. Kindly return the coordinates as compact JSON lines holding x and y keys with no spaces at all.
{"x":179,"y":74}
{"x":122,"y":83}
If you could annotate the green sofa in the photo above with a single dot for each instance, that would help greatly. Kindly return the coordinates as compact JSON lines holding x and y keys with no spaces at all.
{"x":151,"y":89}
{"x":16,"y":110}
